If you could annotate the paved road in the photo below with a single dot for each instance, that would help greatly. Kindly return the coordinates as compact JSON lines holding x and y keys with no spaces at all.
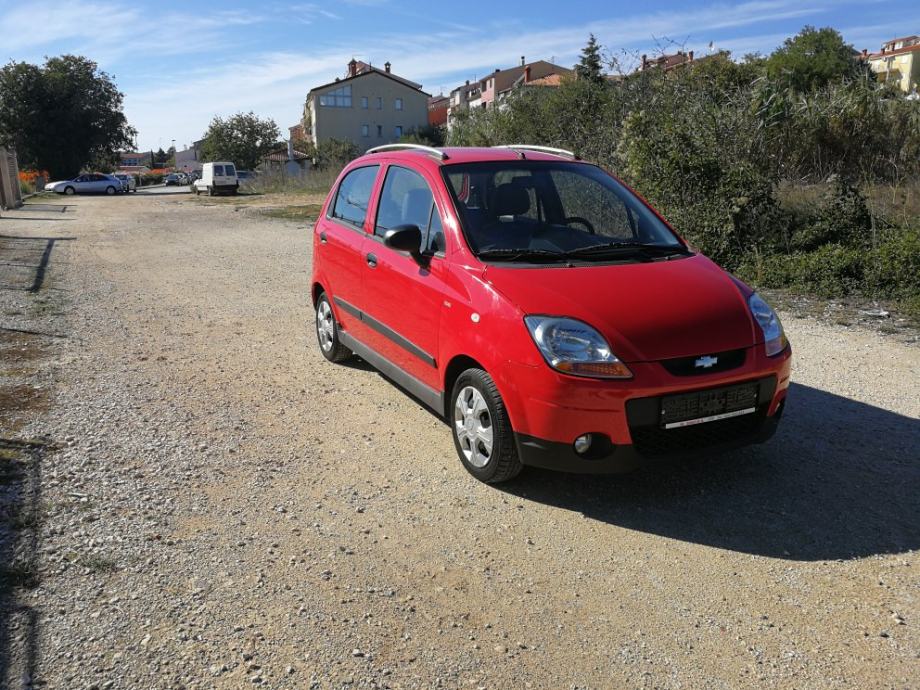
{"x":163,"y":189}
{"x":224,"y":507}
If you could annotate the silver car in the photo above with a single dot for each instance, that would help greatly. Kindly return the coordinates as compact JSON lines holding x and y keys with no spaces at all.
{"x":128,"y":182}
{"x":89,"y":183}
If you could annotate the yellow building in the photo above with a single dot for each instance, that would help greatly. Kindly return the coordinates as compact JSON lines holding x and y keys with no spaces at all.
{"x":898,"y":62}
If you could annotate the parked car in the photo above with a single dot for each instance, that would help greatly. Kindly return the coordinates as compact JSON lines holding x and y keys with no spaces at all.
{"x":217,"y":178}
{"x":245,"y":175}
{"x":89,"y":183}
{"x":128,"y":182}
{"x":543,"y":308}
{"x":173,"y":179}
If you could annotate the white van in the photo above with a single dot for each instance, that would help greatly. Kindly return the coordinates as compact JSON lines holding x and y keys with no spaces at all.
{"x":217,"y":178}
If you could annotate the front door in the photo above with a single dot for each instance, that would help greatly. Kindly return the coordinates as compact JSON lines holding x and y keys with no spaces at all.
{"x":339,"y":244}
{"x":403,"y":294}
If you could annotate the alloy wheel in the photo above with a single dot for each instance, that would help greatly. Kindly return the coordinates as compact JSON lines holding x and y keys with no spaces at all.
{"x":473,"y":426}
{"x":325,"y":326}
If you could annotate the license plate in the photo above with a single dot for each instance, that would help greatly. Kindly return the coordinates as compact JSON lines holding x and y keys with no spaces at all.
{"x":688,"y":409}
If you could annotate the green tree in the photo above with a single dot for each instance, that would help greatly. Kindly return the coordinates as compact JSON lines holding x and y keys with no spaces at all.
{"x":333,"y":154}
{"x":429,"y":135}
{"x":63,"y":115}
{"x":243,"y":138}
{"x":160,"y":158}
{"x":589,"y":65}
{"x":811,"y":59}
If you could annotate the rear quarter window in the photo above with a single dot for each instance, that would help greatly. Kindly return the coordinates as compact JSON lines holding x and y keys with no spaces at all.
{"x":354,"y":195}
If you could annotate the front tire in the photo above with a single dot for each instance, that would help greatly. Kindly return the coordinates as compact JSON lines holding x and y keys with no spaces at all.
{"x":327,"y":332}
{"x":482,"y":432}
{"x":69,"y":191}
{"x":110,"y":191}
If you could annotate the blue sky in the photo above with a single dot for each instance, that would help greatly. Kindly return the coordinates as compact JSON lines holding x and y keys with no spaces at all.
{"x":181,"y":63}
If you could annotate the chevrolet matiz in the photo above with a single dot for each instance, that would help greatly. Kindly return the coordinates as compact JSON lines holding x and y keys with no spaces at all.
{"x":543,"y":308}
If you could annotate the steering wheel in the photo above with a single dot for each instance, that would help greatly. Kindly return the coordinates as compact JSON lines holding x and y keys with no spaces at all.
{"x":580,"y":221}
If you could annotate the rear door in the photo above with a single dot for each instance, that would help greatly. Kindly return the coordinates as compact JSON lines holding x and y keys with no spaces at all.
{"x":339,"y":244}
{"x":404,"y":294}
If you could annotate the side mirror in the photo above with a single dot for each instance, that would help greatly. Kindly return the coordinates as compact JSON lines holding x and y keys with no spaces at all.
{"x":404,"y":238}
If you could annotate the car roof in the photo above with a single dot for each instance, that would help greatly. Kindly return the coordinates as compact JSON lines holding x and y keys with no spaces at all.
{"x":456,"y":155}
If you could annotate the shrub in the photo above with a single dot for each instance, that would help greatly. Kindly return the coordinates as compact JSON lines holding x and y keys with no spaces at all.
{"x":334,"y":154}
{"x":843,"y":218}
{"x":151,"y":178}
{"x":828,"y":271}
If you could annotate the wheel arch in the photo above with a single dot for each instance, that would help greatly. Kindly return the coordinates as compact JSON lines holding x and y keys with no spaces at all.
{"x":456,"y":366}
{"x":315,"y":291}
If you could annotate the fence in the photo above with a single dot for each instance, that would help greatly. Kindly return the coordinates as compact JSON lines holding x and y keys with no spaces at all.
{"x":10,"y":194}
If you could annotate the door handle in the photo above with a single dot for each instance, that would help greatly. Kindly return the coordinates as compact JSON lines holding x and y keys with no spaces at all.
{"x":322,"y":237}
{"x":372,"y":260}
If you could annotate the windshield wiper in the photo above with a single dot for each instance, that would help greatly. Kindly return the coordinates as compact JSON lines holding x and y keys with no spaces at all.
{"x":626,"y":249}
{"x":520,"y":254}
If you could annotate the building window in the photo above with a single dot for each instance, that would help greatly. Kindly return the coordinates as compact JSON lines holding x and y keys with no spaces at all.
{"x":340,"y":98}
{"x":365,"y":131}
{"x":364,"y":102}
{"x":379,"y":103}
{"x":398,"y":131}
{"x":379,"y":130}
{"x":398,"y":103}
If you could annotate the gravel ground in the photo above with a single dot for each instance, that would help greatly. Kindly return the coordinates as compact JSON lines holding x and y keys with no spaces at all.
{"x":191,"y":497}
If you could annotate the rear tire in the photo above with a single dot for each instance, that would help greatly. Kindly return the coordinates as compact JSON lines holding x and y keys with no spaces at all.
{"x":481,"y":430}
{"x":327,"y":332}
{"x":210,"y":191}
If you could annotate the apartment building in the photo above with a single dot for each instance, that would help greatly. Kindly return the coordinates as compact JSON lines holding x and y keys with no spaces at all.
{"x":368,"y":107}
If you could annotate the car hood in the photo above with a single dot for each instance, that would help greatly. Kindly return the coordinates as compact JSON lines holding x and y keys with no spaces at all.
{"x":647,"y":311}
{"x":55,"y":184}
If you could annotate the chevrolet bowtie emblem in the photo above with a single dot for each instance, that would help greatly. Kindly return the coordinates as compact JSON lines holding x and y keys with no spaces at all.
{"x":705,"y":362}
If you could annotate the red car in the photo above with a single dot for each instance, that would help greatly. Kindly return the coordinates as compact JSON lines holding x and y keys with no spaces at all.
{"x":543,"y":308}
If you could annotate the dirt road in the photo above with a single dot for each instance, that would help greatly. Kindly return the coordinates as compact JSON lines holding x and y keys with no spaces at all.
{"x":192,"y":497}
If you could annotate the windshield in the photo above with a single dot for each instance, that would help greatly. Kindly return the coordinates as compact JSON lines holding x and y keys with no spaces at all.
{"x":536,"y":210}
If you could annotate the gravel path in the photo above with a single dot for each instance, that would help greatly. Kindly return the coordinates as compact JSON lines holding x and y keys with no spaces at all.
{"x":204,"y":502}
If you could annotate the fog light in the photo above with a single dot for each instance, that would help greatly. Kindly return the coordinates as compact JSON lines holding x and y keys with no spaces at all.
{"x":583,"y":443}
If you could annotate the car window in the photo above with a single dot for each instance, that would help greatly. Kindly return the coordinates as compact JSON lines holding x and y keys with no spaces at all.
{"x":436,"y":244}
{"x":406,"y":199}
{"x":228,"y":171}
{"x":354,"y":195}
{"x":549,"y":207}
{"x":219,"y":170}
{"x":585,"y":198}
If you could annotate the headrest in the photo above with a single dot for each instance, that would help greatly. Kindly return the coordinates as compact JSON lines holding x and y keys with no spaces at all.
{"x":510,"y":199}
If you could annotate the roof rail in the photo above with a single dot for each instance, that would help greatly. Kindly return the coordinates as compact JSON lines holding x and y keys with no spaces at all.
{"x":541,"y":149}
{"x":412,"y":147}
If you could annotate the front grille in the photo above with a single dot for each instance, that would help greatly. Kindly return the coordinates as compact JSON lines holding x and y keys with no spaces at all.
{"x":686,"y":366}
{"x":654,"y":440}
{"x":650,"y":438}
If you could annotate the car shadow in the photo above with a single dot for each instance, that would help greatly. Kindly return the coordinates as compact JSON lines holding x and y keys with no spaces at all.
{"x":841,"y":479}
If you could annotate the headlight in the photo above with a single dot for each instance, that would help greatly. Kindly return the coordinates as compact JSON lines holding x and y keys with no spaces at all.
{"x":773,"y":335}
{"x":573,"y":347}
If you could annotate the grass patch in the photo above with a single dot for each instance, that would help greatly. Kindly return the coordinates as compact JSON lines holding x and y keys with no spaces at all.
{"x":97,"y":564}
{"x":18,"y":576}
{"x":306,"y":212}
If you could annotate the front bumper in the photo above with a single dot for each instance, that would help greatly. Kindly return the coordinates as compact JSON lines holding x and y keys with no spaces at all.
{"x":651,"y":443}
{"x":549,"y":411}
